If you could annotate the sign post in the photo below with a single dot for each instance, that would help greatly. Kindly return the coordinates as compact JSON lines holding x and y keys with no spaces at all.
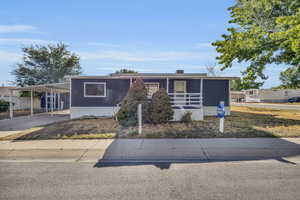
{"x":221,"y":114}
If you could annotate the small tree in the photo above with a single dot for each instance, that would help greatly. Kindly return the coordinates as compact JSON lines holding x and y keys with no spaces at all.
{"x":160,"y":108}
{"x":137,"y":94}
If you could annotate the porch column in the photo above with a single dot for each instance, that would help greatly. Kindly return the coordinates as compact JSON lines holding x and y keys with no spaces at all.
{"x":201,"y":92}
{"x":51,"y":102}
{"x":55,"y":100}
{"x":167,"y":85}
{"x":31,"y":102}
{"x":130,"y":81}
{"x":46,"y":101}
{"x":59,"y":103}
{"x":11,"y":111}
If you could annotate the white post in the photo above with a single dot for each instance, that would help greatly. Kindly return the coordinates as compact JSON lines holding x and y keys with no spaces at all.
{"x":31,"y":102}
{"x":51,"y":101}
{"x":167,"y":85}
{"x":130,"y":81}
{"x":221,"y":113}
{"x":46,"y":101}
{"x":11,"y":111}
{"x":140,"y":118}
{"x":58,"y":104}
{"x":221,"y":129}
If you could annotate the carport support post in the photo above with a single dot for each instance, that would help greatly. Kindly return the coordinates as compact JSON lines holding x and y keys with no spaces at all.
{"x":58,"y":104}
{"x":140,"y":118}
{"x":46,"y":101}
{"x":31,"y":102}
{"x":11,"y":111}
{"x":51,"y":101}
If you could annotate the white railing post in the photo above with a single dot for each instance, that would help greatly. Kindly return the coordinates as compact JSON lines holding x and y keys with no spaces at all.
{"x":140,"y":118}
{"x":31,"y":102}
{"x":11,"y":111}
{"x":51,"y":102}
{"x":46,"y":101}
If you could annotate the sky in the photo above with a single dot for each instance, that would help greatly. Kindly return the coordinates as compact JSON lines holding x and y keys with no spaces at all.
{"x":143,"y":35}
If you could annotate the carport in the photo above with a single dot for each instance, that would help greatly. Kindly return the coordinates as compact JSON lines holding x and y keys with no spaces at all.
{"x":51,"y":91}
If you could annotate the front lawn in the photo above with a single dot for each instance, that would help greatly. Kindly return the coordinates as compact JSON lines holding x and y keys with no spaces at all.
{"x":243,"y":122}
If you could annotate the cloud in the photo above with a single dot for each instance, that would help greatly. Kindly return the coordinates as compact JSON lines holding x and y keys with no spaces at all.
{"x":16,"y":28}
{"x":203,"y":45}
{"x":23,"y":41}
{"x":145,"y":56}
{"x":100,"y":44}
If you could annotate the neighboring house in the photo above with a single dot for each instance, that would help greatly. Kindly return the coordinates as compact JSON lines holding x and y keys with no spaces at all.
{"x":271,"y":95}
{"x":237,"y":96}
{"x":19,"y":103}
{"x":195,"y":92}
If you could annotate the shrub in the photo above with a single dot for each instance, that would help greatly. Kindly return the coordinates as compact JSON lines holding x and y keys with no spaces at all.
{"x":4,"y":105}
{"x":186,"y":117}
{"x":137,"y":94}
{"x":160,"y":108}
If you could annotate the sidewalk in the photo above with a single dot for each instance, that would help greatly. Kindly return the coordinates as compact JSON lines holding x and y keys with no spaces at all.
{"x":152,"y":150}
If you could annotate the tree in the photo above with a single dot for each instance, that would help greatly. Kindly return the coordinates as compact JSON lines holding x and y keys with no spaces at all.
{"x":290,"y":78}
{"x":137,"y":94}
{"x":264,"y":32}
{"x":160,"y":108}
{"x":126,"y":71}
{"x":46,"y":64}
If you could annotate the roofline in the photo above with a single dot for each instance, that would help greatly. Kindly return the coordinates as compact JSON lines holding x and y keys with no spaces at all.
{"x":149,"y":77}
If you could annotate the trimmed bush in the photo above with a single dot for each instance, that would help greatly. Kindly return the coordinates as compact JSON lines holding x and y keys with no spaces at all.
{"x":4,"y":105}
{"x":160,"y":108}
{"x":137,"y":94}
{"x":186,"y":117}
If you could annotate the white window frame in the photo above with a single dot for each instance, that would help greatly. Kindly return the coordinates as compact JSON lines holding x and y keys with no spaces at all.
{"x":95,"y":83}
{"x":149,"y":83}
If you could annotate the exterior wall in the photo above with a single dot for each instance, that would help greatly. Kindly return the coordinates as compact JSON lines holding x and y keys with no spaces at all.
{"x":215,"y":91}
{"x":77,"y":112}
{"x":268,"y":95}
{"x":197,"y":114}
{"x":212,"y":110}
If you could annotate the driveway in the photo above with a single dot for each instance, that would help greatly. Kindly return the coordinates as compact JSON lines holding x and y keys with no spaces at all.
{"x":17,"y":124}
{"x":269,"y":105}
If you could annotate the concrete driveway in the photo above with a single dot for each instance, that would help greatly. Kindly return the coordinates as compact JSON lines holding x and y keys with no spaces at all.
{"x":269,"y":105}
{"x":17,"y":124}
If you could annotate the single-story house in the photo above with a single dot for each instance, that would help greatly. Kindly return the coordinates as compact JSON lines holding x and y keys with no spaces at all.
{"x":195,"y":92}
{"x":270,"y":95}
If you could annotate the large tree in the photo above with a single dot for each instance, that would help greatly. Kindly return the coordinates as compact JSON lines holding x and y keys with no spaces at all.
{"x":262,"y":32}
{"x":46,"y":64}
{"x":290,"y":78}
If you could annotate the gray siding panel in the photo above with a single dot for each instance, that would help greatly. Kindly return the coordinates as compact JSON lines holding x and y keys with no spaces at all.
{"x":116,"y":90}
{"x":215,"y":91}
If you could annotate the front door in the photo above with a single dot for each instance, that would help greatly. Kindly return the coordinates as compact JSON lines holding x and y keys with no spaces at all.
{"x":180,"y":92}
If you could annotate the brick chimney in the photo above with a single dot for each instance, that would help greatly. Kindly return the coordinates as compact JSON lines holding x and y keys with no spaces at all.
{"x":179,"y":71}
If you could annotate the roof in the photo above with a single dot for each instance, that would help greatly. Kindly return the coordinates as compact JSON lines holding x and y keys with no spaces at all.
{"x":157,"y":75}
{"x":55,"y":87}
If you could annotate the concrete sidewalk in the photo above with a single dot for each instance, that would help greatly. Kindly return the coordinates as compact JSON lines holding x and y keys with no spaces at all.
{"x":152,"y":150}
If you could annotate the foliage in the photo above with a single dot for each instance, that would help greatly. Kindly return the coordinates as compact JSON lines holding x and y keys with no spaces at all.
{"x":4,"y":105}
{"x":186,"y":117}
{"x":46,"y":64}
{"x":126,"y":71}
{"x":160,"y":108}
{"x":137,"y":94}
{"x":290,"y":78}
{"x":236,"y":85}
{"x":263,"y":32}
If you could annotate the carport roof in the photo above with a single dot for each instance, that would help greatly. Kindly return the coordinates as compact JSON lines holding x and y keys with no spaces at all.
{"x":55,"y":87}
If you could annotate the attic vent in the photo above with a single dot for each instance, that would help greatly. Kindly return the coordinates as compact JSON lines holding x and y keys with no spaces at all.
{"x":179,"y":71}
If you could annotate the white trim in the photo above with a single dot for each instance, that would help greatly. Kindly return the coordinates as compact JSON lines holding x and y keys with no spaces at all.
{"x":167,"y":85}
{"x":95,"y":83}
{"x":70,"y":93}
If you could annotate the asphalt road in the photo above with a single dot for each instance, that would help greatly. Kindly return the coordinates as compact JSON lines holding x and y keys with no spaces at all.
{"x":211,"y":180}
{"x":269,"y":105}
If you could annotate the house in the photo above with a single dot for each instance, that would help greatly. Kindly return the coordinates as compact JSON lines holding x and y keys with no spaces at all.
{"x":237,"y":96}
{"x":19,"y":103}
{"x":195,"y":92}
{"x":270,"y":95}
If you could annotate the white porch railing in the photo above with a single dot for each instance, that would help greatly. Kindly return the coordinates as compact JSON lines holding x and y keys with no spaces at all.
{"x":186,"y":99}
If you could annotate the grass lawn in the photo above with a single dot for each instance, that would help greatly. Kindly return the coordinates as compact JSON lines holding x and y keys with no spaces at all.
{"x":243,"y":122}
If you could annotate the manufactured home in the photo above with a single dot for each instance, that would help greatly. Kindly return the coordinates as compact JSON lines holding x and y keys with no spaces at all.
{"x":195,"y":92}
{"x":270,"y":95}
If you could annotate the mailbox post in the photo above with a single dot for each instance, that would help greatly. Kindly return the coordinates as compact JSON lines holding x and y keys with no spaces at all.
{"x":221,"y":114}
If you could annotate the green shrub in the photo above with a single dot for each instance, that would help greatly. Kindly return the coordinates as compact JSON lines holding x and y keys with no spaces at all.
{"x":160,"y":108}
{"x":186,"y":117}
{"x":4,"y":105}
{"x":137,"y":94}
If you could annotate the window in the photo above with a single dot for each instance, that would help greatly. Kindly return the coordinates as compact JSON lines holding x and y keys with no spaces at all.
{"x":151,"y":88}
{"x":179,"y":86}
{"x":94,"y":89}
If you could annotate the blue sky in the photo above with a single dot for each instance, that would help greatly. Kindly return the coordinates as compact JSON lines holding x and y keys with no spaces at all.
{"x":147,"y":36}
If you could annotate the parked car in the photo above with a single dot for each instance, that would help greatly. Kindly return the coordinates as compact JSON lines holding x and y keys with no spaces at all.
{"x":294,"y":99}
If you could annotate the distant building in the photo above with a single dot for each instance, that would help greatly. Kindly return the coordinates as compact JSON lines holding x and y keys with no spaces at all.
{"x":270,"y":95}
{"x":19,"y":103}
{"x":237,"y":96}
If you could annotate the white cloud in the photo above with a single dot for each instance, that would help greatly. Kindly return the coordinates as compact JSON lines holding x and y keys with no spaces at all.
{"x":23,"y":41}
{"x":100,"y":44}
{"x":145,"y":56}
{"x":203,"y":45}
{"x":16,"y":28}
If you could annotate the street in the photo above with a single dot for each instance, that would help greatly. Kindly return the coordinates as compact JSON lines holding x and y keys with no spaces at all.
{"x":212,"y":180}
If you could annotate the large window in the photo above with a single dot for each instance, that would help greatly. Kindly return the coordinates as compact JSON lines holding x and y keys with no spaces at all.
{"x":94,"y":89}
{"x":151,"y":88}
